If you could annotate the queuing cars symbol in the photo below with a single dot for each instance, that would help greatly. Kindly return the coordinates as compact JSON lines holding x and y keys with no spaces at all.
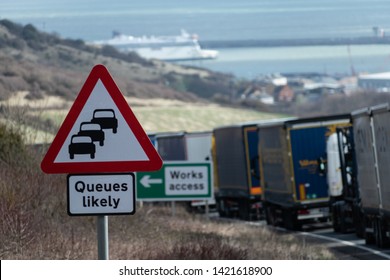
{"x":82,"y":145}
{"x":106,"y":118}
{"x":102,"y":119}
{"x":94,"y":130}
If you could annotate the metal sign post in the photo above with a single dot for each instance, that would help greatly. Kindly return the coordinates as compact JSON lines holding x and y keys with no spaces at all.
{"x":102,"y":237}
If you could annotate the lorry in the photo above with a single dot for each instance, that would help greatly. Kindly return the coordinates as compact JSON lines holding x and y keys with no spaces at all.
{"x":198,"y":146}
{"x":236,"y":171}
{"x":292,"y":155}
{"x":189,"y":146}
{"x":198,"y":149}
{"x":171,"y":146}
{"x":345,"y":201}
{"x":371,"y":132}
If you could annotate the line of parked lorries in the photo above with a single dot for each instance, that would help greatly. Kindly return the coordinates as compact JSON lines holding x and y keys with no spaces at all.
{"x":295,"y":171}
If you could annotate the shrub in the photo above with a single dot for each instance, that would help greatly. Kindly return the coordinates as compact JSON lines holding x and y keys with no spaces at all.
{"x":202,"y":248}
{"x":33,"y":37}
{"x":12,"y":148}
{"x":13,"y":28}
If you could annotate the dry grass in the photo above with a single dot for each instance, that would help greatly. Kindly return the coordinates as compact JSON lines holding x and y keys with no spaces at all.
{"x":186,"y":236}
{"x":193,"y":117}
{"x":34,"y":225}
{"x":155,"y":115}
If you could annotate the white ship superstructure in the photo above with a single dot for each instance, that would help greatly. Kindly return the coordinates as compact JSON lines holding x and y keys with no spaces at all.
{"x":168,"y":48}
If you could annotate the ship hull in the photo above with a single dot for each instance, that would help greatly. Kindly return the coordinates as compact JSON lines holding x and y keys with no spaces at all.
{"x":167,"y":48}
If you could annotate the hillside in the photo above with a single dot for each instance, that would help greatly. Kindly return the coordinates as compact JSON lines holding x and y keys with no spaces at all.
{"x":41,"y":74}
{"x":45,"y":64}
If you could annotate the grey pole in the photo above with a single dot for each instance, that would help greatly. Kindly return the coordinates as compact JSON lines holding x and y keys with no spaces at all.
{"x":102,"y":237}
{"x":207,"y":210}
{"x":173,"y":205}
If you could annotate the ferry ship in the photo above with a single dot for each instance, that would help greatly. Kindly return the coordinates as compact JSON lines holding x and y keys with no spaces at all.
{"x":168,"y":48}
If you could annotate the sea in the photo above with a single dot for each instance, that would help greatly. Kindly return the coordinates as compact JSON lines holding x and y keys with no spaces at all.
{"x":230,"y":20}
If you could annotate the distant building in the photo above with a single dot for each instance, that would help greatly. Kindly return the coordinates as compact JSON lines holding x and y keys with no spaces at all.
{"x":275,"y":79}
{"x":257,"y":93}
{"x":278,"y":80}
{"x":350,"y":84}
{"x":379,"y":82}
{"x":283,"y":94}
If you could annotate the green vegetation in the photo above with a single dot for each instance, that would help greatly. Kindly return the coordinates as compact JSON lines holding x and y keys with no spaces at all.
{"x":12,"y":147}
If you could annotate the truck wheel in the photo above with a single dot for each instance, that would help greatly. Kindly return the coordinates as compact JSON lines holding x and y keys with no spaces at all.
{"x":267,"y":215}
{"x":221,"y":209}
{"x":244,"y":210}
{"x":343,"y":224}
{"x":358,"y":221}
{"x":336,"y":217}
{"x":368,"y":236}
{"x":290,"y":220}
{"x":271,"y":215}
{"x":359,"y":229}
{"x":381,"y":239}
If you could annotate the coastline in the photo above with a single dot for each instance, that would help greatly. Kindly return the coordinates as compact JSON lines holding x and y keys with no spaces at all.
{"x":296,"y":42}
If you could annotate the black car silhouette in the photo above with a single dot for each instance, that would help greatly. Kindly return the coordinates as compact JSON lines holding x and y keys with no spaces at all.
{"x":93,"y":130}
{"x":106,"y":118}
{"x":81,"y":145}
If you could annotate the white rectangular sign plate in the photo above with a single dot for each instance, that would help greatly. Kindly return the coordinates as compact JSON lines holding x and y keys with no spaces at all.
{"x":101,"y":194}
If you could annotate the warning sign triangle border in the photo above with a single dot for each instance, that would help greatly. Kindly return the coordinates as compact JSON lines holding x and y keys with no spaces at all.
{"x":100,"y":72}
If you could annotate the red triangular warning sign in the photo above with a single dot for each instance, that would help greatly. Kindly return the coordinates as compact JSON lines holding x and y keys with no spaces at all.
{"x":100,"y":133}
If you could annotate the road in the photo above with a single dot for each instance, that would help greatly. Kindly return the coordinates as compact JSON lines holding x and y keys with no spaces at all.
{"x":345,"y":246}
{"x":348,"y":245}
